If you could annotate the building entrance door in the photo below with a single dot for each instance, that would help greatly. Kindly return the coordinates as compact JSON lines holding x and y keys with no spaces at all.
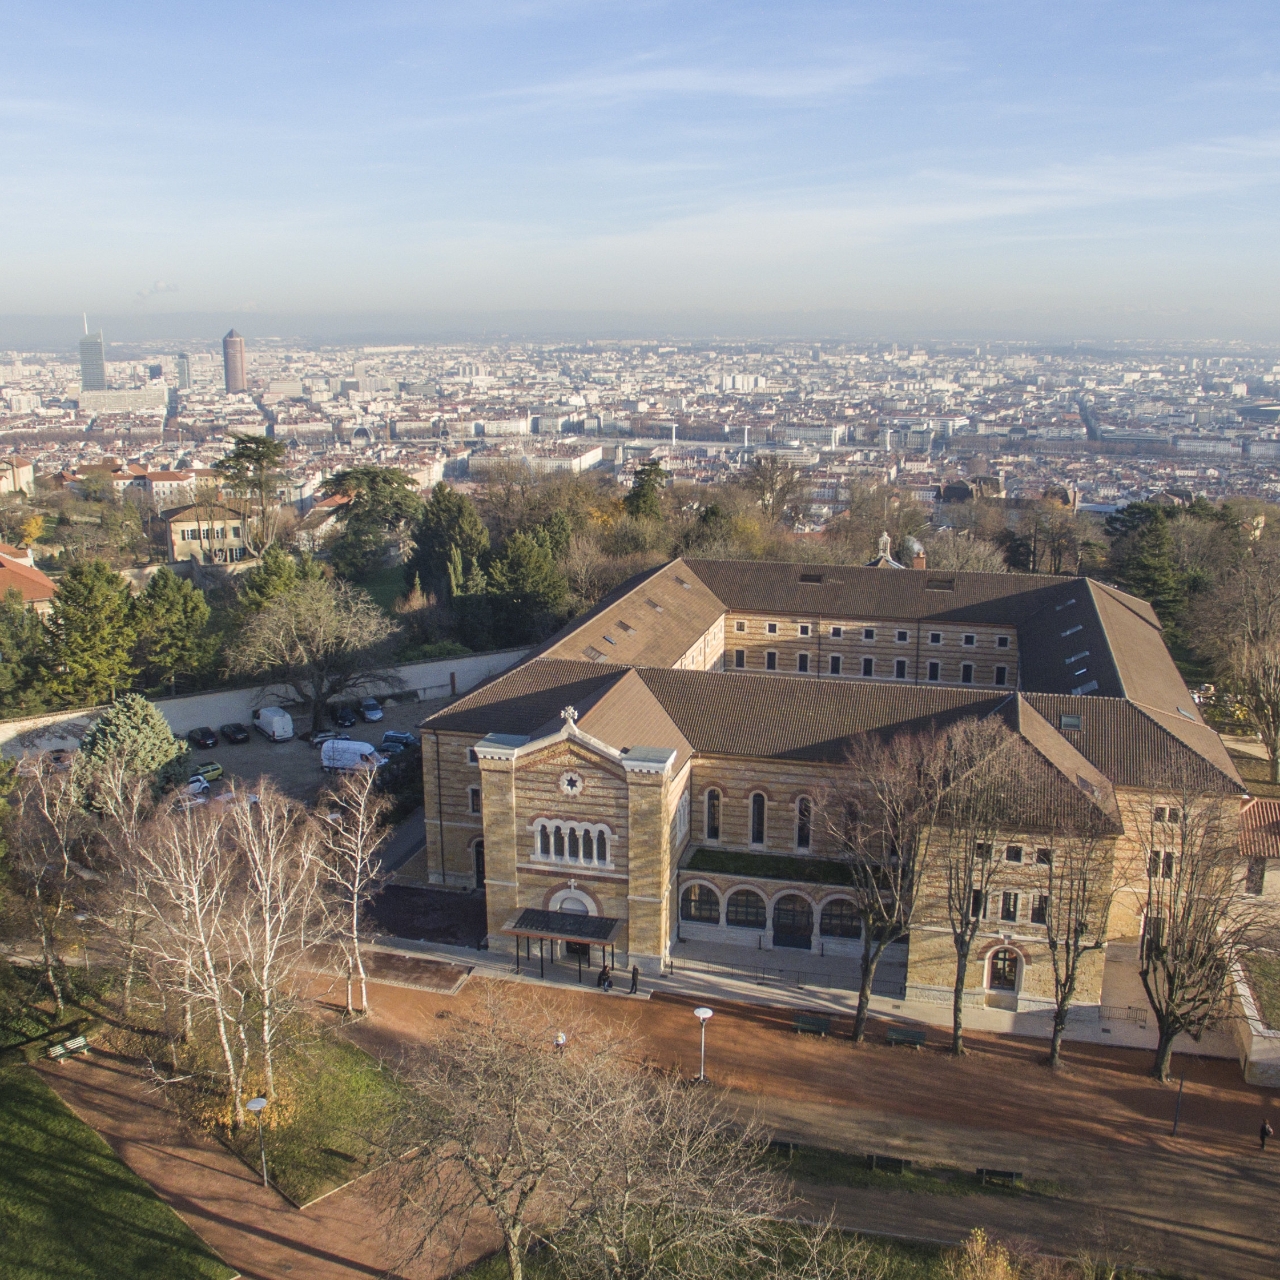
{"x":793,"y":923}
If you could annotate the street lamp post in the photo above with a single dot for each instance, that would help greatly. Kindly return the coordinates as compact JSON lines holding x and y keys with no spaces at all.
{"x":702,"y":1013}
{"x":256,"y":1105}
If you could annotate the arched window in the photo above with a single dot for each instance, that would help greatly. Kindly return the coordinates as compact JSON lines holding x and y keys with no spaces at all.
{"x":793,"y":922}
{"x":840,"y":920}
{"x":574,"y":846}
{"x":804,"y":822}
{"x":700,"y":904}
{"x":1004,"y":970}
{"x":588,"y":851}
{"x":558,"y":841}
{"x":713,"y":814}
{"x":578,"y":841}
{"x":602,"y":847}
{"x":757,"y":818}
{"x":574,"y":906}
{"x":544,"y":841}
{"x":745,"y":910}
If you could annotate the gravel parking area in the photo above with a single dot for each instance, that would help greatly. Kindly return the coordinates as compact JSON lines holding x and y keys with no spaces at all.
{"x":295,"y":766}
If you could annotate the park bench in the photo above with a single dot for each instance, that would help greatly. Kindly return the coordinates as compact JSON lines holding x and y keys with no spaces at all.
{"x":813,"y":1024}
{"x":1005,"y":1177}
{"x":64,"y":1050}
{"x":914,"y":1036}
{"x":888,"y":1164}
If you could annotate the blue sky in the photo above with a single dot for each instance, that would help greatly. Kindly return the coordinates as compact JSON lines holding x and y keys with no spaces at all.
{"x":1096,"y":167}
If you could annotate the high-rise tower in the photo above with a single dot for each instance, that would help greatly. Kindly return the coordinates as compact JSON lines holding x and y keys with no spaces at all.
{"x":184,"y":371}
{"x":93,"y":362}
{"x":233,"y":362}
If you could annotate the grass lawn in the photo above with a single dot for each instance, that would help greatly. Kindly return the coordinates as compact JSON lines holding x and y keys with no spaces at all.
{"x":385,"y":585}
{"x":341,"y":1107}
{"x":838,"y":1168}
{"x":1256,"y":774}
{"x":69,"y":1207}
{"x":1263,"y":971}
{"x":29,"y":1022}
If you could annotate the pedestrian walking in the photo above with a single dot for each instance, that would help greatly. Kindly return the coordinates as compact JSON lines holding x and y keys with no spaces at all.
{"x":1264,"y":1132}
{"x":604,"y":981}
{"x":635,"y":979}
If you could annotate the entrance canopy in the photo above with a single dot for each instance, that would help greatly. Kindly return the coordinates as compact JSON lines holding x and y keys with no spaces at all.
{"x":564,"y":926}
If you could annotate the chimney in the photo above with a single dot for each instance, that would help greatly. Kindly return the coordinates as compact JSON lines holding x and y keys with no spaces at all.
{"x":918,"y":560}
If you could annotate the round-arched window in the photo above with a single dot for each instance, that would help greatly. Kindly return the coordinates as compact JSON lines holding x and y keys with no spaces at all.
{"x":1004,"y":970}
{"x":793,"y":914}
{"x":574,"y":906}
{"x":745,"y":910}
{"x":700,"y":904}
{"x":840,"y":920}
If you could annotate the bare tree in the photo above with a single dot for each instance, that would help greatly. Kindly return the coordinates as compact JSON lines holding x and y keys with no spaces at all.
{"x":321,"y":639}
{"x":958,"y":549}
{"x":775,"y":484}
{"x":190,"y":885}
{"x":351,"y":834}
{"x":277,"y":848}
{"x":983,"y":774}
{"x":1198,"y":923}
{"x":1082,"y":888}
{"x":882,"y":814}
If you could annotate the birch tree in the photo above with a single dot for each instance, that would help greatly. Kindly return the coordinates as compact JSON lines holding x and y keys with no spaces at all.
{"x":350,"y":837}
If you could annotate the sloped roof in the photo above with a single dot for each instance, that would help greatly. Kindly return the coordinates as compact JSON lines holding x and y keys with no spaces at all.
{"x":1260,"y":829}
{"x":627,"y":714}
{"x":34,"y":585}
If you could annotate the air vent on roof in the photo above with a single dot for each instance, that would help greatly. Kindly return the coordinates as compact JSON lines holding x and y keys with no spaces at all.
{"x":593,"y":653}
{"x":1085,"y":688}
{"x":684,"y":584}
{"x":940,"y":584}
{"x":654,"y":605}
{"x":1075,"y":657}
{"x":627,"y":627}
{"x":1188,"y":714}
{"x":1070,"y":631}
{"x":1066,"y":604}
{"x":1070,"y":722}
{"x":811,"y":577}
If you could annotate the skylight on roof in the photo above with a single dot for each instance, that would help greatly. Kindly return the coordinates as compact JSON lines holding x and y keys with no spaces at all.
{"x":1066,"y":604}
{"x":684,"y":584}
{"x":609,"y":639}
{"x":940,"y":584}
{"x":811,"y":577}
{"x":1076,"y":657}
{"x":1070,"y":722}
{"x":1085,"y":688}
{"x":654,"y":605}
{"x":1070,"y":631}
{"x":627,"y":627}
{"x":1188,"y":714}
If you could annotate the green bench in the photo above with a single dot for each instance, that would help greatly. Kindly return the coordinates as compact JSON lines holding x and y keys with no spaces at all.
{"x":1004,"y":1177}
{"x":914,"y":1036}
{"x":813,"y":1024}
{"x":64,"y":1050}
{"x":889,"y":1164}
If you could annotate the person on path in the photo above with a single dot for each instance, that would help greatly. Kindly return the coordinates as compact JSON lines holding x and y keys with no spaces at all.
{"x":604,"y":982}
{"x":635,"y":978}
{"x":1264,"y":1132}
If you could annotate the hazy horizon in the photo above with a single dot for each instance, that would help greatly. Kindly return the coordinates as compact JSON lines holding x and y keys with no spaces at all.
{"x":986,"y":169}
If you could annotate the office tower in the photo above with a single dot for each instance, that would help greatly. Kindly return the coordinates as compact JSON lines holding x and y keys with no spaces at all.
{"x":93,"y":363}
{"x":184,"y":371}
{"x":233,"y":362}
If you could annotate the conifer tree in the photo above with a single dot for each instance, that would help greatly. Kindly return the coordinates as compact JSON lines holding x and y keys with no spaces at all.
{"x":90,"y":637}
{"x":642,"y":503}
{"x":172,"y":619}
{"x":449,"y":520}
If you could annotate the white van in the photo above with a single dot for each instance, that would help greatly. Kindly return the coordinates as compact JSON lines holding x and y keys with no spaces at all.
{"x":340,"y":755}
{"x":275,"y":723}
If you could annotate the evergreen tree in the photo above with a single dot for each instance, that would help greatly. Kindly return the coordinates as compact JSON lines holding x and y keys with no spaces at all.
{"x":526,"y":587}
{"x":172,"y":620}
{"x":130,"y":739}
{"x":449,"y":520}
{"x":90,"y":637}
{"x":1149,"y":569}
{"x":642,"y":503}
{"x":383,"y":501}
{"x":277,"y":574}
{"x":21,"y":648}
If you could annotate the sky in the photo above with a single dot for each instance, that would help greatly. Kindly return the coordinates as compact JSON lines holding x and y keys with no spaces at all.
{"x":1082,"y":169}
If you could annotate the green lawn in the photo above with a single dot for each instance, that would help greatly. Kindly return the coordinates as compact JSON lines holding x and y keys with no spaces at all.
{"x":771,"y":866}
{"x":385,"y":585}
{"x":69,"y":1207}
{"x":1256,"y":774}
{"x":342,"y":1105}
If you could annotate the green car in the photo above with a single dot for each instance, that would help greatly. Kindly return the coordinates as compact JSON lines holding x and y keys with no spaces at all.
{"x":210,"y":771}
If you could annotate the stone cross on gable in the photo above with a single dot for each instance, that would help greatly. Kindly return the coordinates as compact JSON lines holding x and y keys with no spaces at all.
{"x":573,"y":884}
{"x":569,"y":716}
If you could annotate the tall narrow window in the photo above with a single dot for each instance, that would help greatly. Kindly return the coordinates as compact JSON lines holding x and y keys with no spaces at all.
{"x":804,"y":822}
{"x":1040,"y":908}
{"x":802,"y":663}
{"x":739,"y":658}
{"x":558,"y":840}
{"x":757,"y":819}
{"x":475,"y":799}
{"x":1002,"y":675}
{"x":977,"y":908}
{"x":544,"y":841}
{"x":935,"y":671}
{"x":835,"y":664}
{"x":713,"y":815}
{"x":1009,"y":907}
{"x":900,"y":669}
{"x":574,"y":847}
{"x":966,"y":673}
{"x":868,"y":666}
{"x":771,"y":661}
{"x":588,"y":851}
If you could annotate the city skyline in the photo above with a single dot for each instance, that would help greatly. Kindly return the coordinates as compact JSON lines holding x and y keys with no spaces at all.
{"x":934,"y":170}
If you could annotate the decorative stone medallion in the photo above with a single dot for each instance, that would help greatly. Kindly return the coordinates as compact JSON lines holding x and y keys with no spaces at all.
{"x":571,"y":782}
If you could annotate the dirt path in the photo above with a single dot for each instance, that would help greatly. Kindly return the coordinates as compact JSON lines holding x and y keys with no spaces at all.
{"x":342,"y":1237}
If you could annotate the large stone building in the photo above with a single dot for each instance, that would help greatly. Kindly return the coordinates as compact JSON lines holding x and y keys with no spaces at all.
{"x":649,"y":779}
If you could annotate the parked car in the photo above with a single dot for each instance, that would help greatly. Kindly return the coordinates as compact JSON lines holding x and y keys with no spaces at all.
{"x":275,"y":723}
{"x":197,"y":789}
{"x":370,"y":709}
{"x":404,"y":739}
{"x":344,"y":717}
{"x":392,"y":748}
{"x":341,"y":755}
{"x":319,"y":739}
{"x":210,"y":771}
{"x":204,"y":738}
{"x":235,"y":732}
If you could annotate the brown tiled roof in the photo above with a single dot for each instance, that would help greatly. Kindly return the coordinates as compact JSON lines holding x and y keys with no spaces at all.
{"x":34,"y":585}
{"x":1260,"y":829}
{"x":1137,"y":747}
{"x":628,"y":715}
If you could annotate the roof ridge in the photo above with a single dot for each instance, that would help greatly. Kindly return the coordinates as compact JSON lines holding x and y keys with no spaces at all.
{"x":1122,"y":598}
{"x":1145,"y":710}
